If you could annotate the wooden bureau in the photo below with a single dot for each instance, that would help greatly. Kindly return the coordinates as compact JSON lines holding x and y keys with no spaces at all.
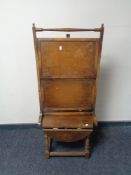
{"x":67,"y":71}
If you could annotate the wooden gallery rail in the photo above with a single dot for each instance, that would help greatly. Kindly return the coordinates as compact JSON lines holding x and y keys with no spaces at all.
{"x":67,"y":71}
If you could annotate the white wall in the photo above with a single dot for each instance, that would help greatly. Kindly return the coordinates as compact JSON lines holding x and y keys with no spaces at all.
{"x":18,"y":81}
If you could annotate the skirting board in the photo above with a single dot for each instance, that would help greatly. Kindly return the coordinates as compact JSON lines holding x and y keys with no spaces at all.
{"x":35,"y":125}
{"x":113,"y":123}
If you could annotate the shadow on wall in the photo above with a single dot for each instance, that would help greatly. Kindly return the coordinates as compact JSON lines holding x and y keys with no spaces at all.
{"x":104,"y":91}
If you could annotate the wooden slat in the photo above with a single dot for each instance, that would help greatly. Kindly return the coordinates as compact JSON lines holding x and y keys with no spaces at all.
{"x":67,"y":29}
{"x":67,"y":77}
{"x":75,"y":109}
{"x":75,"y":113}
{"x":68,"y":154}
{"x":69,"y":130}
{"x":68,"y":39}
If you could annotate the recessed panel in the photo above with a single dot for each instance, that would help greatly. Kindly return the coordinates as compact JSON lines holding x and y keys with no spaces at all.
{"x":68,"y":93}
{"x":69,"y":58}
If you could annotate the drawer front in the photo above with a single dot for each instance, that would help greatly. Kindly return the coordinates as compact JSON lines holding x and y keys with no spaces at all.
{"x":68,"y":93}
{"x":64,"y":58}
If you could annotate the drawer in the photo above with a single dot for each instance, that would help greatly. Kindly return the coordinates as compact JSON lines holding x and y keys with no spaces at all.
{"x":80,"y":121}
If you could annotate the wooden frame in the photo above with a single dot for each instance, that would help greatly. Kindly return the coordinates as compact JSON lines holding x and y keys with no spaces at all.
{"x":51,"y":96}
{"x":50,"y":153}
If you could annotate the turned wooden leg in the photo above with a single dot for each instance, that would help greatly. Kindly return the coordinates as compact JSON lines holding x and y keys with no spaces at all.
{"x":47,"y":146}
{"x":87,"y":147}
{"x":49,"y":143}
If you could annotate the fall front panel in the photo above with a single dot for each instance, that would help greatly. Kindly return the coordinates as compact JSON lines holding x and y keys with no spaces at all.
{"x":69,"y":58}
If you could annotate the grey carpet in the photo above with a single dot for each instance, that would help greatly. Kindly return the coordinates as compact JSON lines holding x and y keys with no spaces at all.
{"x":22,"y":153}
